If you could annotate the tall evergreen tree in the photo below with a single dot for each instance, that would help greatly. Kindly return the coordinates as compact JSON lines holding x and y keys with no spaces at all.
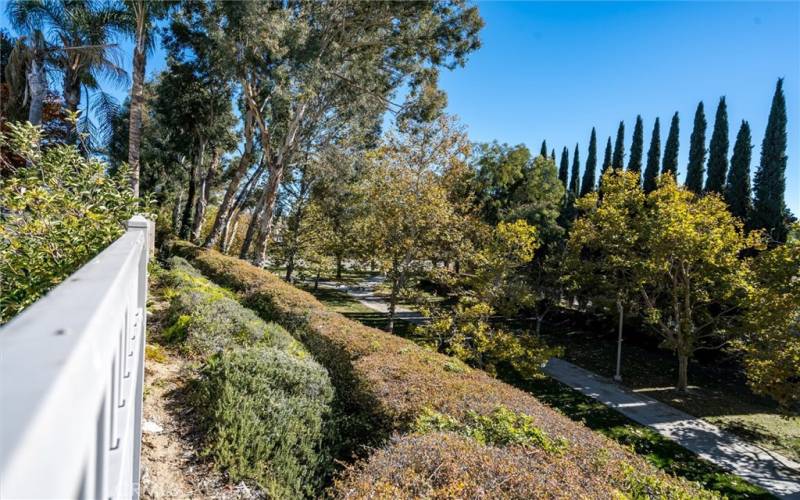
{"x":618,"y":161}
{"x":671,"y":148}
{"x":575,"y":182}
{"x":563,"y":168}
{"x":769,"y":186}
{"x":718,"y":151}
{"x":606,"y":163}
{"x":653,"y":158}
{"x":587,"y":185}
{"x":637,"y":146}
{"x":737,"y":190}
{"x":697,"y":152}
{"x":553,"y":155}
{"x":543,"y":151}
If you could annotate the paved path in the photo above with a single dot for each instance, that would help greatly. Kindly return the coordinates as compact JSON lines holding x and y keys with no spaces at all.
{"x":767,"y":469}
{"x":364,"y":292}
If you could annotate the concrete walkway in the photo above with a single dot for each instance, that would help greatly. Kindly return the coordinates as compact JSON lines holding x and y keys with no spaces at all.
{"x":364,"y":293}
{"x":772,"y":471}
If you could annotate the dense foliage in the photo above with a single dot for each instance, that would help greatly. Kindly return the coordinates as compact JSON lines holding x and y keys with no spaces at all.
{"x":59,"y":209}
{"x":395,"y":382}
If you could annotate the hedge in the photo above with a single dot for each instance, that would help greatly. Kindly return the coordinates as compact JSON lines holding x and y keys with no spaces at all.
{"x":394,"y":382}
{"x":264,"y":405}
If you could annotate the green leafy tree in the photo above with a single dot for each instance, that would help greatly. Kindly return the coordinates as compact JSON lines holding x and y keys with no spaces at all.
{"x":59,"y":210}
{"x":718,"y":151}
{"x":769,"y":186}
{"x":618,"y":159}
{"x":603,"y":251}
{"x":694,"y":279}
{"x":697,"y":152}
{"x":737,"y":189}
{"x":770,"y":343}
{"x":539,"y":200}
{"x":563,"y":169}
{"x":500,"y":171}
{"x":671,"y":148}
{"x":637,"y":146}
{"x":587,"y":185}
{"x":653,"y":158}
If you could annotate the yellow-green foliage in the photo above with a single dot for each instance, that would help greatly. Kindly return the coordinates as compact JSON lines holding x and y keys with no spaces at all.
{"x":206,"y":318}
{"x":502,"y":427}
{"x":266,"y":414}
{"x":391,"y":381}
{"x":58,"y":211}
{"x":155,"y":353}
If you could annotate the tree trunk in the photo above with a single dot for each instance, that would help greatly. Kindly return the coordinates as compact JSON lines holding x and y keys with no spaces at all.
{"x":137,"y":98}
{"x":252,"y":227}
{"x":204,"y":191}
{"x":289,"y":267}
{"x":230,"y":232}
{"x":186,"y":220}
{"x":618,"y":373}
{"x":267,"y":216}
{"x":316,"y":280}
{"x":176,"y":213}
{"x":338,"y":267}
{"x":225,"y":208}
{"x":683,"y":372}
{"x":37,"y":85}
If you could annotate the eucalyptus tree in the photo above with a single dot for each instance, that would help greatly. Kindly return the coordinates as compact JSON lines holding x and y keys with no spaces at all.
{"x":81,"y":36}
{"x":297,"y":64}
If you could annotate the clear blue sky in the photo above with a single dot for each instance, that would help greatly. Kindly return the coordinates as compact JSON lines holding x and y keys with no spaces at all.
{"x":554,"y":70}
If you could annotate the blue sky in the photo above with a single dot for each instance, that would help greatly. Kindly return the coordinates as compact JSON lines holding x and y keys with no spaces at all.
{"x":553,"y":70}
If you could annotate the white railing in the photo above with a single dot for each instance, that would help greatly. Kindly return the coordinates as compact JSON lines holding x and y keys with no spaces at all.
{"x":71,"y":374}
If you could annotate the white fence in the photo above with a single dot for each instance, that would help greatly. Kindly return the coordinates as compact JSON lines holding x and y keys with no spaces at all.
{"x":71,"y":373}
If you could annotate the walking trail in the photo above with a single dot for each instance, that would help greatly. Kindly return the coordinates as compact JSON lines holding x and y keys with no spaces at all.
{"x":772,"y":471}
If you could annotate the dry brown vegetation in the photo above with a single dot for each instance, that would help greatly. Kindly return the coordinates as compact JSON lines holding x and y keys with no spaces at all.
{"x":391,"y":381}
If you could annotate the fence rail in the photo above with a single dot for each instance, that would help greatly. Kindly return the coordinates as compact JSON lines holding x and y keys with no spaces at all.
{"x":71,"y":374}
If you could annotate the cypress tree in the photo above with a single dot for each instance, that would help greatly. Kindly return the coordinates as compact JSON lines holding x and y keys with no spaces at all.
{"x":553,"y":155}
{"x":737,"y":190}
{"x":587,"y":185}
{"x":769,"y":185}
{"x":671,"y":148}
{"x":543,"y":152}
{"x":606,"y":164}
{"x":653,"y":157}
{"x":697,"y":152}
{"x":563,"y":169}
{"x":718,"y":151}
{"x":618,"y":161}
{"x":574,"y":183}
{"x":637,"y":147}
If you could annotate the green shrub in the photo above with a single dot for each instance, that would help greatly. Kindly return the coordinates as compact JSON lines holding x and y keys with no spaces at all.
{"x":59,"y":210}
{"x":502,"y":427}
{"x":265,"y":414}
{"x":206,"y":318}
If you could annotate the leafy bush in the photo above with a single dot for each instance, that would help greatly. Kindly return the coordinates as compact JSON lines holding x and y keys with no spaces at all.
{"x":265,"y":416}
{"x":502,"y":427}
{"x":206,"y":318}
{"x":392,"y":381}
{"x":57,"y":211}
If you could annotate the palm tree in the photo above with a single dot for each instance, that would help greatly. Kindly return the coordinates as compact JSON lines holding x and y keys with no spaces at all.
{"x":142,"y":14}
{"x":80,"y":34}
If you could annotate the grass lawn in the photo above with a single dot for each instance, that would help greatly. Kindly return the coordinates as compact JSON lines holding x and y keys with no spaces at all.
{"x":659,"y":450}
{"x":718,"y":393}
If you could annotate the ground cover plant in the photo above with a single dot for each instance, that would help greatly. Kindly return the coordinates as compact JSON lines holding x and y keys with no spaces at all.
{"x":264,"y":405}
{"x":393,"y":382}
